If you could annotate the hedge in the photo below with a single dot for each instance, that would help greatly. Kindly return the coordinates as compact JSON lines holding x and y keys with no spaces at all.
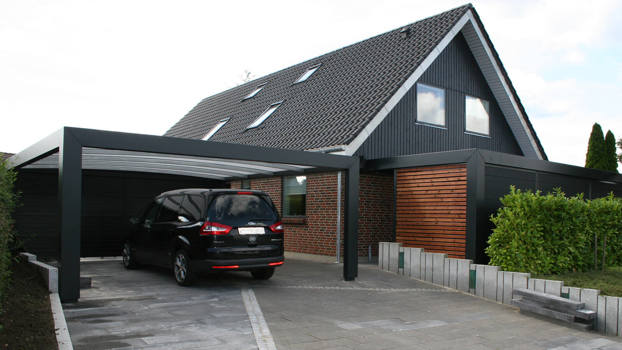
{"x":552,"y":233}
{"x":8,"y":202}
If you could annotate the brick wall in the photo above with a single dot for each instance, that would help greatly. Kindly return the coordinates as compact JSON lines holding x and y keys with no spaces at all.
{"x":316,"y":233}
{"x":375,"y":211}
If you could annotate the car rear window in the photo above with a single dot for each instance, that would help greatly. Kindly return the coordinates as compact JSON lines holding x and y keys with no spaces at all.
{"x":239,"y":209}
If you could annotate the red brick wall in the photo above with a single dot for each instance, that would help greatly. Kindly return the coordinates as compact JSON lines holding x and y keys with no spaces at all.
{"x":375,"y":211}
{"x":316,"y":234}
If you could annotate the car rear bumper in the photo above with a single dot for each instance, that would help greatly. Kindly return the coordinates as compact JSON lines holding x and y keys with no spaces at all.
{"x":213,"y":265}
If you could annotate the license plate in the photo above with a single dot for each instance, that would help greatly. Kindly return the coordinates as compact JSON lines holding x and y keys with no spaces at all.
{"x":251,"y":230}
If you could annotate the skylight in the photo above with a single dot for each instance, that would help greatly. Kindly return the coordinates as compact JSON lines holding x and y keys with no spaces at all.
{"x":307,"y":74}
{"x":215,"y":129}
{"x":255,"y":92}
{"x":264,"y":115}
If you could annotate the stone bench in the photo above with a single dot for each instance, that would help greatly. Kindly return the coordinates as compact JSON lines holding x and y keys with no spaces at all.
{"x":558,"y":308}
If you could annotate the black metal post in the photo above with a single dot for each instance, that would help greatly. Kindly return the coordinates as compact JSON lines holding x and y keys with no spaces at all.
{"x":476,"y":182}
{"x":70,"y":205}
{"x":350,"y":256}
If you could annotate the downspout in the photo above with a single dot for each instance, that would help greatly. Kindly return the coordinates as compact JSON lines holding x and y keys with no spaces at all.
{"x":338,"y":216}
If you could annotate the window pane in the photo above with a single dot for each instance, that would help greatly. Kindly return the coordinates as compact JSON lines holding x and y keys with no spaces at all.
{"x":255,"y":92}
{"x":264,"y":116}
{"x":215,"y":129}
{"x":191,"y":207}
{"x":169,"y":209}
{"x":240,"y":209}
{"x":430,"y":105}
{"x":477,"y":119}
{"x":294,"y":195}
{"x":246,"y":184}
{"x":307,"y":74}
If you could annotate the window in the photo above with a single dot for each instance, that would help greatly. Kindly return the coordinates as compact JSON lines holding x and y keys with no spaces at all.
{"x":294,"y":195}
{"x":255,"y":92}
{"x":264,"y":115}
{"x":215,"y":129}
{"x":246,"y":184}
{"x":476,"y":114}
{"x":240,"y":209}
{"x":192,"y":207}
{"x":151,"y":211}
{"x":430,"y":105}
{"x":307,"y":74}
{"x":168,"y":211}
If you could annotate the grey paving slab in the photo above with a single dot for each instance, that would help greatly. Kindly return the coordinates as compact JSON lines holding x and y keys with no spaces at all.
{"x":145,"y":309}
{"x":306,"y":305}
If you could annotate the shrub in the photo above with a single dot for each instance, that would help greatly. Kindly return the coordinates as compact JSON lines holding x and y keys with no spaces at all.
{"x":8,"y":201}
{"x":605,"y":229}
{"x":538,"y":233}
{"x":551,"y":234}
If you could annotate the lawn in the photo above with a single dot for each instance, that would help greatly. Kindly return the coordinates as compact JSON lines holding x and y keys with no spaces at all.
{"x":609,"y":281}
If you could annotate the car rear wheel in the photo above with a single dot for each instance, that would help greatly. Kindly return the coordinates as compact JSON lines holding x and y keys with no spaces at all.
{"x":263,"y":274}
{"x":181,"y":268}
{"x":129,"y":260}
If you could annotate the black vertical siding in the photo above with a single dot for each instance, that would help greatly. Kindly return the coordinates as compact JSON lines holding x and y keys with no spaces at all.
{"x":456,"y":71}
{"x":109,"y":199}
{"x":500,"y":178}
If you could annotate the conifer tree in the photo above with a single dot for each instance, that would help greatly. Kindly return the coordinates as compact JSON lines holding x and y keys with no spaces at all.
{"x":611,"y":158}
{"x":596,"y":149}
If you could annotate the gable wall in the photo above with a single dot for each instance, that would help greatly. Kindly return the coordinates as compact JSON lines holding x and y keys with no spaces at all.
{"x":456,"y":71}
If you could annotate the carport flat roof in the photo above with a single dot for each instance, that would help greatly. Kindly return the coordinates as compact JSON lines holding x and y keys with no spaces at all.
{"x":204,"y":167}
{"x":71,"y":150}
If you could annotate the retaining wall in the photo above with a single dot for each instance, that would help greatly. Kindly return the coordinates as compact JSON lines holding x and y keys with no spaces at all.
{"x":492,"y":283}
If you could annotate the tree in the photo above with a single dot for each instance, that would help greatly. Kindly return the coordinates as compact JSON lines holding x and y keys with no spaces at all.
{"x":611,"y":158}
{"x":595,"y":157}
{"x":620,"y":146}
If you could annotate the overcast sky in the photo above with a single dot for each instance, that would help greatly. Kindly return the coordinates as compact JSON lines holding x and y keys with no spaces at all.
{"x":139,"y":66}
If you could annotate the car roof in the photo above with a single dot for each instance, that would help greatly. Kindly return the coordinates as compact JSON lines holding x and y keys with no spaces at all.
{"x":205,"y":191}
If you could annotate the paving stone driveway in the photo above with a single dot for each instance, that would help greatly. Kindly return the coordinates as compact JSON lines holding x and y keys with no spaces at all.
{"x":306,"y":306}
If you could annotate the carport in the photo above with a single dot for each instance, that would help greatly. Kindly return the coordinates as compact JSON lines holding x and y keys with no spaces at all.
{"x":71,"y":150}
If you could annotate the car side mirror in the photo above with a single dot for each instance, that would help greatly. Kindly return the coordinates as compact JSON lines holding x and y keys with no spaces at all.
{"x":183,"y":219}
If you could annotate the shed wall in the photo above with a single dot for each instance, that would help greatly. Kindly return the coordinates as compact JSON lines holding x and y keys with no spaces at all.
{"x":431,"y":208}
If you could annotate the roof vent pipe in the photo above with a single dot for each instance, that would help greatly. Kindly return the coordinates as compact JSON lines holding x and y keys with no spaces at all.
{"x":405,"y":32}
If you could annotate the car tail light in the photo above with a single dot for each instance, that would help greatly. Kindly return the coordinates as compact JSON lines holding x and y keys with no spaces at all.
{"x":245,"y":192}
{"x":226,"y":267}
{"x":277,"y":228}
{"x":276,"y":263}
{"x":214,"y":228}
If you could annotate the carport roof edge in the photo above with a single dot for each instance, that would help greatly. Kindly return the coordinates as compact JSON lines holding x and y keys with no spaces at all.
{"x":165,"y":152}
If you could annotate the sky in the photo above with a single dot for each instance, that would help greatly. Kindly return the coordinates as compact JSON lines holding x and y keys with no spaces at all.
{"x":140,"y":65}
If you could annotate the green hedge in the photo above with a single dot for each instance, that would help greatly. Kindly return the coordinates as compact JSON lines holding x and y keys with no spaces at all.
{"x":552,"y":233}
{"x":8,"y":201}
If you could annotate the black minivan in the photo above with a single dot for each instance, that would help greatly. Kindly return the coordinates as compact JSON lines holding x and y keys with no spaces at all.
{"x":198,"y":230}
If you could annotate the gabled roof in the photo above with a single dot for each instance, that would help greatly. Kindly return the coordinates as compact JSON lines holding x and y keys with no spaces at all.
{"x":352,"y":92}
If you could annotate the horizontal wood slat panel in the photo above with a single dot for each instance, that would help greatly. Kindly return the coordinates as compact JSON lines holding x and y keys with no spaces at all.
{"x":431,"y":208}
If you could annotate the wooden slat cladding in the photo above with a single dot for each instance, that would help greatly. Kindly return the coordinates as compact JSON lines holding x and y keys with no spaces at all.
{"x":430,"y":208}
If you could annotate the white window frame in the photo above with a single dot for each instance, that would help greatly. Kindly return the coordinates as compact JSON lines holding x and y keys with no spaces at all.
{"x":215,"y":129}
{"x":256,"y":91}
{"x":308,"y":73}
{"x":267,"y":113}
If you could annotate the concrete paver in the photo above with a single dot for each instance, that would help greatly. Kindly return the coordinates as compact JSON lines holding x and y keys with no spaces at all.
{"x":306,"y":305}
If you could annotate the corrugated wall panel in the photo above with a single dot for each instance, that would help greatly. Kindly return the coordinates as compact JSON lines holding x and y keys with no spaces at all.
{"x":431,"y":208}
{"x":456,"y":71}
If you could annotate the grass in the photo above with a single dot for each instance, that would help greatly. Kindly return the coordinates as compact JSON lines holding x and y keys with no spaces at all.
{"x":26,"y":322}
{"x":609,"y":281}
